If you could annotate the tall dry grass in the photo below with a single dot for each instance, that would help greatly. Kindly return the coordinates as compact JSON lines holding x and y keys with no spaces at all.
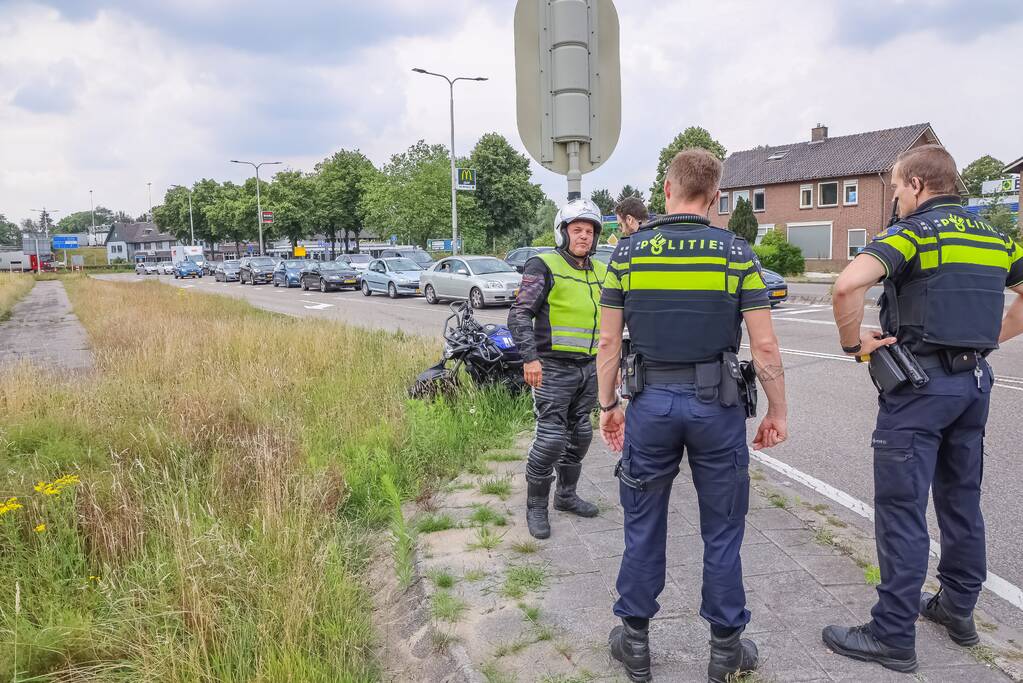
{"x":13,"y":286}
{"x":231,"y":463}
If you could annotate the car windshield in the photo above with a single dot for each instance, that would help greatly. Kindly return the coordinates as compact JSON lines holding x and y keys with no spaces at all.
{"x":331,"y":265}
{"x":402,"y":264}
{"x":230,"y":264}
{"x":294,"y":264}
{"x":358,"y":258}
{"x":196,"y":259}
{"x":262,"y":261}
{"x":418,"y":256}
{"x":486,"y":266}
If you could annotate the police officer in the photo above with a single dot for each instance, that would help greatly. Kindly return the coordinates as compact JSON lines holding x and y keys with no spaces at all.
{"x":945,"y":272}
{"x":684,"y":288}
{"x":631,"y":213}
{"x":555,"y":323}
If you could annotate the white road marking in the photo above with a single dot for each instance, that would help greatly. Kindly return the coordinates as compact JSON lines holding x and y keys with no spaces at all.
{"x":187,"y":286}
{"x":996,"y":584}
{"x":318,"y":306}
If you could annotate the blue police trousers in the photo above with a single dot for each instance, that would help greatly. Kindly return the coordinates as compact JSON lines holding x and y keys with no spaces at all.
{"x":661,"y":423}
{"x":932,"y":437}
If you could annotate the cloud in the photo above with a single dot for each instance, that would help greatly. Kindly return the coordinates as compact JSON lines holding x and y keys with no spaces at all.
{"x":52,"y":91}
{"x":871,"y":23}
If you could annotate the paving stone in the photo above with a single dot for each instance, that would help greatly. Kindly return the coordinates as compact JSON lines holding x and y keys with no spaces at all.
{"x":799,"y":542}
{"x":832,"y":571}
{"x":764,"y":558}
{"x":561,"y":561}
{"x":608,"y":543}
{"x":773,"y":518}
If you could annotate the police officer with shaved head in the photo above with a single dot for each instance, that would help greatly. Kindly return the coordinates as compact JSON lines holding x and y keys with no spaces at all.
{"x":684,"y":288}
{"x":945,"y":272}
{"x":555,"y":321}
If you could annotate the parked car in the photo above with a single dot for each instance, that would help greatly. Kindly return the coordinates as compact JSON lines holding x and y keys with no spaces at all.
{"x":286,"y":273}
{"x":517,"y":258}
{"x":187,"y":268}
{"x":256,"y":269}
{"x":480,"y":280}
{"x":359,"y":262}
{"x":603,"y":253}
{"x":396,"y":276}
{"x":210,"y":267}
{"x":328,"y":275}
{"x":777,"y":287}
{"x":143,"y":268}
{"x":227,"y":271}
{"x":165,"y":268}
{"x":420,"y":257}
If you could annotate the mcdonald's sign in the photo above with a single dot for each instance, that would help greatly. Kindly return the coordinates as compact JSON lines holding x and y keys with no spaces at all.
{"x":465,"y":179}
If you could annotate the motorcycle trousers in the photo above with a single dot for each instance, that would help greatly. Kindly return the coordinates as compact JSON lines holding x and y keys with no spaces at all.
{"x":562,"y":405}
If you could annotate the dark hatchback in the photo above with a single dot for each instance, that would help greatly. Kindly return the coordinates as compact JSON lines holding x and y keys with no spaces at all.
{"x":328,"y":275}
{"x":517,"y":258}
{"x":777,"y":288}
{"x":226,"y":271}
{"x":254,"y":270}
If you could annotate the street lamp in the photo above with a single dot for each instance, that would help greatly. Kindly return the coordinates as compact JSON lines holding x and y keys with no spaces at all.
{"x":150,"y":186}
{"x":191,"y":223}
{"x":259,"y":205}
{"x":44,"y":216}
{"x":454,"y":203}
{"x":92,"y":208}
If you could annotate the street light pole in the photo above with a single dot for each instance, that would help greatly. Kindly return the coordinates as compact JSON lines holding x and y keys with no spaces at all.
{"x":92,"y":208}
{"x":259,"y":204}
{"x":150,"y":186}
{"x":454,"y":180}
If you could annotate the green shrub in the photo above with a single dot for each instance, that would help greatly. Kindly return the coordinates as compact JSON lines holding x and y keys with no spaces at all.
{"x":778,"y":254}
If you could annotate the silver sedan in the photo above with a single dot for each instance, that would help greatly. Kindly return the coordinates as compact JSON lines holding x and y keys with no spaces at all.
{"x":481,"y":280}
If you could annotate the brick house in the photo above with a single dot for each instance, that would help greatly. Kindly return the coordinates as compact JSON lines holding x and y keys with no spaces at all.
{"x":830,"y":195}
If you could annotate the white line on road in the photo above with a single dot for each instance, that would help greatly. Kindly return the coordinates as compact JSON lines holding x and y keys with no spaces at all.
{"x":317,"y":306}
{"x":996,"y":584}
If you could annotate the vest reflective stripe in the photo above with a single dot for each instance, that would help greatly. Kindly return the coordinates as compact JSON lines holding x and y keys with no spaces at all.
{"x":573,"y":305}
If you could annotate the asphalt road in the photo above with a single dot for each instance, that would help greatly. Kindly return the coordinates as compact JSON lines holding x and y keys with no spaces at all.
{"x":832,"y":402}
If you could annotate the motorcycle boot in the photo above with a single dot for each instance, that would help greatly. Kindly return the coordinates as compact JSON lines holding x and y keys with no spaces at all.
{"x":538,"y":492}
{"x":731,"y":656}
{"x":565,"y":497}
{"x":631,"y":647}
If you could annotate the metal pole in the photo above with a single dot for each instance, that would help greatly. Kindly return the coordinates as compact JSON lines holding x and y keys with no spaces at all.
{"x":575,"y":176}
{"x":92,"y":208}
{"x":454,"y":180}
{"x":150,"y":185}
{"x":191,"y":223}
{"x":259,"y":210}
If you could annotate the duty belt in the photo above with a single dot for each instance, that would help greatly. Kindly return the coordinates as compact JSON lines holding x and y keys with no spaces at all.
{"x":681,"y":375}
{"x":643,"y":484}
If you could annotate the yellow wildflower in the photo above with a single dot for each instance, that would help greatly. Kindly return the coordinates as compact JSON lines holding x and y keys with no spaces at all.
{"x":40,"y":529}
{"x":55,"y":488}
{"x":10,"y":505}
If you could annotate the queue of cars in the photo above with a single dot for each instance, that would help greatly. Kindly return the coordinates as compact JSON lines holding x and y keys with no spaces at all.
{"x":480,"y":280}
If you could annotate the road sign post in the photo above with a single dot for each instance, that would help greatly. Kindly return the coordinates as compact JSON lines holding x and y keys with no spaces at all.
{"x":568,"y":84}
{"x":268,"y":217}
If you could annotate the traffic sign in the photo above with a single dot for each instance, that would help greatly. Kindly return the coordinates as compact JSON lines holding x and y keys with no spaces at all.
{"x":568,"y":83}
{"x":466,"y":179}
{"x":299,"y":251}
{"x":394,"y":239}
{"x":442,"y":245}
{"x":268,"y":216}
{"x":65,"y":241}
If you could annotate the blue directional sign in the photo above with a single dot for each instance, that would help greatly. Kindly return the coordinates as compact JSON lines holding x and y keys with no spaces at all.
{"x":442,"y":245}
{"x":65,"y":241}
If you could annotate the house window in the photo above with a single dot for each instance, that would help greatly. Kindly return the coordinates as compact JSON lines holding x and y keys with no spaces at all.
{"x":827,"y":194}
{"x":806,"y":197}
{"x":723,"y":203}
{"x":814,"y":239}
{"x":762,"y":230}
{"x":737,"y":195}
{"x":778,"y":155}
{"x":851,"y":192}
{"x":759,"y":200}
{"x":857,"y":240}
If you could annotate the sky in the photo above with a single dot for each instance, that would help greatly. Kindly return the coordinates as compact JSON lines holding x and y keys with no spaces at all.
{"x":110,"y":95}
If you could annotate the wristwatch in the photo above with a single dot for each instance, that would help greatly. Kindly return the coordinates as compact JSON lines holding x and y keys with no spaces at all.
{"x":608,"y":409}
{"x":853,"y":349}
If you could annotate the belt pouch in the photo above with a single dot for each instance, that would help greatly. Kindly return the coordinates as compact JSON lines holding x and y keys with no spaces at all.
{"x":708,"y":379}
{"x":728,"y":391}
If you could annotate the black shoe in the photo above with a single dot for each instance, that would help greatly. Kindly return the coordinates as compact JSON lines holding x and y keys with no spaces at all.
{"x":731,"y":656}
{"x":565,"y":498}
{"x":961,"y":630}
{"x":538,"y":491}
{"x":631,"y":647}
{"x":857,"y":642}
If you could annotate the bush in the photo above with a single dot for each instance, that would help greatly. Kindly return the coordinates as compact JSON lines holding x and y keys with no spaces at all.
{"x":777,"y":254}
{"x":544,"y":240}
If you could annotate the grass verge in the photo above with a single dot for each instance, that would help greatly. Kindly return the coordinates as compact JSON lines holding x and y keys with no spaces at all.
{"x":13,"y":286}
{"x":227,"y":487}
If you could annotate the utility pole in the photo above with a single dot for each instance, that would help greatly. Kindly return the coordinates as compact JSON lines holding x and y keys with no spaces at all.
{"x":259,"y":205}
{"x":150,"y":186}
{"x":454,"y":180}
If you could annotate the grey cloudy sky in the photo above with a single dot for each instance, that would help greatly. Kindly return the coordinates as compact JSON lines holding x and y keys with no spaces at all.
{"x":111,"y":94}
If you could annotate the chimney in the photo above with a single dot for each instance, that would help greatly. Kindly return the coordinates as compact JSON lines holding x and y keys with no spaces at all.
{"x":819,"y":134}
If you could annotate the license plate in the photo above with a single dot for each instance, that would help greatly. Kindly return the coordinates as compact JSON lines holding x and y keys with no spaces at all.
{"x":779,"y":293}
{"x":349,"y":282}
{"x":515,"y":293}
{"x":417,"y":291}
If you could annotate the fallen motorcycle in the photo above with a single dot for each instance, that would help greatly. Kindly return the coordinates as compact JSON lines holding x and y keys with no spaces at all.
{"x":487,"y":353}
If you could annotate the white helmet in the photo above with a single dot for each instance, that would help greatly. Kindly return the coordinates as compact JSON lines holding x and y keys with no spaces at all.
{"x":577,"y":210}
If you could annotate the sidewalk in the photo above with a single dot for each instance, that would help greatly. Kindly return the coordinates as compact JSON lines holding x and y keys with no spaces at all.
{"x":541,"y":611}
{"x":44,"y":331}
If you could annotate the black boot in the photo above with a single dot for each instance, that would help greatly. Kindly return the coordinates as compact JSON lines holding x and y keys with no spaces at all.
{"x":631,"y":647}
{"x":538,"y":491}
{"x":857,"y":642}
{"x":961,"y":629}
{"x":565,"y":498}
{"x":731,"y":656}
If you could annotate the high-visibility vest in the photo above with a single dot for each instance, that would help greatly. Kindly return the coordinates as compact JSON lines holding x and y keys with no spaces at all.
{"x":573,"y":306}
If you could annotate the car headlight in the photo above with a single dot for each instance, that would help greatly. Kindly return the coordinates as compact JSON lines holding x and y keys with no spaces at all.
{"x":333,"y":277}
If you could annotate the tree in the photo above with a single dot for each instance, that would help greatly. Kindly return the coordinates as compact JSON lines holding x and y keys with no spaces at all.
{"x":630,"y":191}
{"x":81,"y":221}
{"x":980,"y":171}
{"x":10,"y":234}
{"x":694,"y":136}
{"x":603,"y":199}
{"x":742,"y":222}
{"x":291,"y":196}
{"x":504,"y":194}
{"x":541,"y":230}
{"x":341,"y":183}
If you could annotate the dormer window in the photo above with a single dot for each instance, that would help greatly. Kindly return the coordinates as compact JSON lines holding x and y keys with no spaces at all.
{"x":778,"y":155}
